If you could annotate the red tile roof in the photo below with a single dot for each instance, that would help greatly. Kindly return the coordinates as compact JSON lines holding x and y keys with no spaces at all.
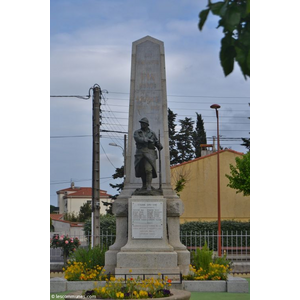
{"x":72,"y":224}
{"x":81,"y":192}
{"x":203,"y":157}
{"x":56,"y":216}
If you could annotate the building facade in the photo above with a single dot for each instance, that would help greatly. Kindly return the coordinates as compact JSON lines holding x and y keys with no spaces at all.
{"x":70,"y":200}
{"x":200,"y":193}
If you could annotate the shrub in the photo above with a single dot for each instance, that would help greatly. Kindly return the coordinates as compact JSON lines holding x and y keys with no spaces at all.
{"x":68,"y":245}
{"x":213,"y":226}
{"x":222,"y":261}
{"x":202,"y":258}
{"x":90,"y":257}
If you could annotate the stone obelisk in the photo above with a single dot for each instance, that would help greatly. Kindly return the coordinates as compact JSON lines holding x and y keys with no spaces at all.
{"x":147,"y":239}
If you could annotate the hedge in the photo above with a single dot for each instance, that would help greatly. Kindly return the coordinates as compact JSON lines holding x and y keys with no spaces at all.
{"x":195,"y":234}
{"x":213,"y":226}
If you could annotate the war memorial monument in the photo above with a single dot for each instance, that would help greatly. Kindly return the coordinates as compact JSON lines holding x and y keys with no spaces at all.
{"x":147,"y":210}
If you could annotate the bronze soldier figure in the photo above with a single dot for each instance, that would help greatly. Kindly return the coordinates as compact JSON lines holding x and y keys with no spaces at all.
{"x":146,"y":155}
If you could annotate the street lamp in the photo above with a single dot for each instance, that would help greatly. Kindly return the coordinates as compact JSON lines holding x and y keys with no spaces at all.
{"x":124,"y":153}
{"x":216,"y":107}
{"x":116,"y":145}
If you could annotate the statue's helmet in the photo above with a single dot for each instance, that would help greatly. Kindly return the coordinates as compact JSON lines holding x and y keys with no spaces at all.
{"x":144,"y":120}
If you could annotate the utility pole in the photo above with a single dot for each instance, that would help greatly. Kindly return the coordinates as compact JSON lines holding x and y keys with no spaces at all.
{"x":96,"y":166}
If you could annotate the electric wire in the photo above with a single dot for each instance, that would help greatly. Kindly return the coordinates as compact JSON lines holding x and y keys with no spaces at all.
{"x":195,"y":96}
{"x":107,"y":156}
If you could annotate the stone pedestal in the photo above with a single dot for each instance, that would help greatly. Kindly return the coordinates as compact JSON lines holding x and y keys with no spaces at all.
{"x":147,"y":255}
{"x":147,"y":250}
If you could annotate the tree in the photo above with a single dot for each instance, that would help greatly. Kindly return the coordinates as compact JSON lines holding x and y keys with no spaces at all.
{"x":184,"y":140}
{"x":119,"y":186}
{"x":51,"y":225}
{"x":71,"y":216}
{"x":118,"y":174}
{"x":199,"y":135}
{"x":85,"y":212}
{"x":172,"y":138}
{"x":240,"y":175}
{"x":53,"y":209}
{"x":235,"y":20}
{"x":246,"y":143}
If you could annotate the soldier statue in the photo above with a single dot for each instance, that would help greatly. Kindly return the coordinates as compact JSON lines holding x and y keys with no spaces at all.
{"x":146,"y":155}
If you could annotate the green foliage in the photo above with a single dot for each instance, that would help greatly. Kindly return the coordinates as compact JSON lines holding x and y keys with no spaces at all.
{"x":172,"y":137}
{"x":184,"y":140}
{"x":84,"y":214}
{"x":191,"y":237}
{"x":118,"y":174}
{"x":180,"y":184}
{"x":107,"y":225}
{"x":213,"y":226}
{"x":214,"y":272}
{"x":222,"y":261}
{"x":90,"y":257}
{"x":119,"y":186}
{"x":246,"y":143}
{"x":199,"y":135}
{"x":51,"y":226}
{"x":235,"y":20}
{"x":202,"y":258}
{"x":72,"y":217}
{"x":67,"y":244}
{"x":240,"y":175}
{"x":53,"y":209}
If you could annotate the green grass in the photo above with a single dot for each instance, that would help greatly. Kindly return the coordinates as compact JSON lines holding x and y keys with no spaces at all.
{"x":220,"y":296}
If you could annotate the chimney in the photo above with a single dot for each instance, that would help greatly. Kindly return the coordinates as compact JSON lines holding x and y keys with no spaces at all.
{"x":214,"y":144}
{"x":72,"y":185}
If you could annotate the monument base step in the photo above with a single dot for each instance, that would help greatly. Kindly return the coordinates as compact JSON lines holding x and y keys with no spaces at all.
{"x":147,"y":263}
{"x":144,"y":273}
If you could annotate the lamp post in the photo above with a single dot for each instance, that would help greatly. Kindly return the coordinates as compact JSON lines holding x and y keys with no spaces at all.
{"x":124,"y":153}
{"x":216,"y":107}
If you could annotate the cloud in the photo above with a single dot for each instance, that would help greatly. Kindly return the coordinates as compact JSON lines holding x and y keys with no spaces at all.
{"x":91,"y":42}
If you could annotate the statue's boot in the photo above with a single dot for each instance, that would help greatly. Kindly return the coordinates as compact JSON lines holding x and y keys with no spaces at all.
{"x":144,"y":182}
{"x":148,"y":181}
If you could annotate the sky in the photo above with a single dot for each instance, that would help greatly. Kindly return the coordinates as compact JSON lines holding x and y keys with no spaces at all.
{"x":73,"y":45}
{"x":91,"y":42}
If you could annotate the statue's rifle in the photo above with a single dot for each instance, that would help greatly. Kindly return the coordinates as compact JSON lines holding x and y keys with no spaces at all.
{"x":159,"y":160}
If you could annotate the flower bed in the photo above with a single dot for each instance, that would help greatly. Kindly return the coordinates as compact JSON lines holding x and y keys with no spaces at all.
{"x":214,"y":272}
{"x":77,"y":271}
{"x":176,"y":295}
{"x":132,"y":289}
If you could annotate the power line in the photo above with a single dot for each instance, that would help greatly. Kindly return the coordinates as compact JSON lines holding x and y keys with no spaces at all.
{"x":195,"y":96}
{"x":68,"y":181}
{"x":107,"y":156}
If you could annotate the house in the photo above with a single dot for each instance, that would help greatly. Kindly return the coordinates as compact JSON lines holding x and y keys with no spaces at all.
{"x":200,"y":193}
{"x":63,"y":227}
{"x":71,"y":199}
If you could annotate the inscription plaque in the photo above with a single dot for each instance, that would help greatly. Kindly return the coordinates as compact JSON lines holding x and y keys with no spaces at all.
{"x":147,"y":220}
